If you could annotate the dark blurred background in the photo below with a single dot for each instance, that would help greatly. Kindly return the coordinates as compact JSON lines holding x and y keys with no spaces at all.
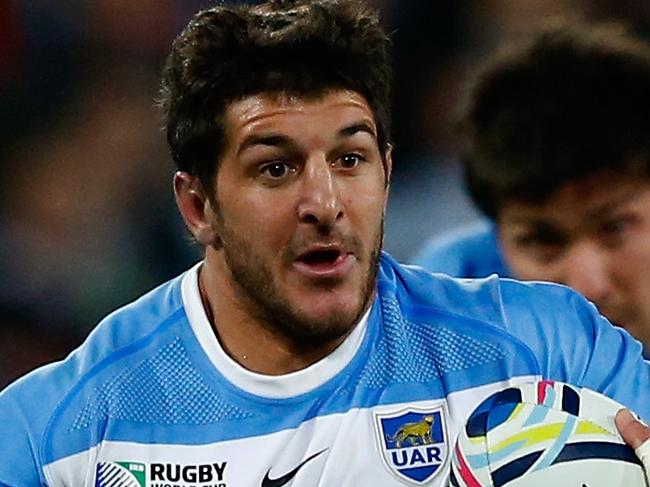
{"x":87,"y":216}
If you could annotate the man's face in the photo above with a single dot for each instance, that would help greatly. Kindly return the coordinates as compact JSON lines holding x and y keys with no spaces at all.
{"x":593,"y":235}
{"x":300,"y":196}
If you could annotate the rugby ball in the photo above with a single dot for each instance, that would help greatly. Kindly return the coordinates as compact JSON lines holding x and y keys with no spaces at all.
{"x":542,"y":434}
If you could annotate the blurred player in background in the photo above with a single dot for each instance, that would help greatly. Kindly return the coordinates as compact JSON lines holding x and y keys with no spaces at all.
{"x":296,"y":352}
{"x":559,"y":161}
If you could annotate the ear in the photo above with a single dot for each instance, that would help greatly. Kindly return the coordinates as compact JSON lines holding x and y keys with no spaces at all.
{"x":195,"y":207}
{"x":388,"y":170}
{"x":388,"y":164}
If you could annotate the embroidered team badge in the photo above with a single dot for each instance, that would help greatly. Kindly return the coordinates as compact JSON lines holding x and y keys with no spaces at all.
{"x":120,"y":474}
{"x":413,"y":443}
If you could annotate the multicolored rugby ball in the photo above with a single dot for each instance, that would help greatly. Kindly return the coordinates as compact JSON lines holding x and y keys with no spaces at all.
{"x":543,"y":434}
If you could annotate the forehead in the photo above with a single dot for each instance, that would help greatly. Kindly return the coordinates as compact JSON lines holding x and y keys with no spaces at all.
{"x":295,"y":115}
{"x":581,"y":201}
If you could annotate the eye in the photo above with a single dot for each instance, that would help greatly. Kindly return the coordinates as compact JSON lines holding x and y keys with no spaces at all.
{"x":350,"y":161}
{"x":276,"y":170}
{"x":616,"y":226}
{"x":614,"y":232}
{"x":541,"y":247}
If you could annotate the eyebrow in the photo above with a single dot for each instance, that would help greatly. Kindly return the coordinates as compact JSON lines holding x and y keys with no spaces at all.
{"x":272,"y":140}
{"x":540,"y":224}
{"x":269,"y":140}
{"x":358,"y":127}
{"x":614,"y":205}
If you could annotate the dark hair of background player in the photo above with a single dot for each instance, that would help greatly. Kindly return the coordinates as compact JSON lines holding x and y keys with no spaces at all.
{"x":574,"y":102}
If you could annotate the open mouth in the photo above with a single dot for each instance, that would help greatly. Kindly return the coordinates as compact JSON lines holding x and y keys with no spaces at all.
{"x":329,"y":261}
{"x":320,"y":257}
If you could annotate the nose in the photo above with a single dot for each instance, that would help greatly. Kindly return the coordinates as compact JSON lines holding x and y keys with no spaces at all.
{"x":320,"y":202}
{"x":587,"y":270}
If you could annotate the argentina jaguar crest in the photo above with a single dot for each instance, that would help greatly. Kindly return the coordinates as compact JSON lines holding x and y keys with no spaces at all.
{"x":413,"y":433}
{"x":413,"y":443}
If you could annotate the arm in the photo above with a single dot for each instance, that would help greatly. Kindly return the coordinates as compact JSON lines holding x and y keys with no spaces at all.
{"x":18,"y":458}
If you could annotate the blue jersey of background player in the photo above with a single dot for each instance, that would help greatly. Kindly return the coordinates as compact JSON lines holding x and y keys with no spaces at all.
{"x":295,"y":352}
{"x":559,"y":162}
{"x":471,"y":251}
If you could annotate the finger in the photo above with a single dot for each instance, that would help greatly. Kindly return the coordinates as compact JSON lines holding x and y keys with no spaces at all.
{"x":643,"y":452}
{"x":633,"y":431}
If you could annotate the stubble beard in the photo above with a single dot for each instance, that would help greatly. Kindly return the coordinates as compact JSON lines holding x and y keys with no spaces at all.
{"x":257,"y":285}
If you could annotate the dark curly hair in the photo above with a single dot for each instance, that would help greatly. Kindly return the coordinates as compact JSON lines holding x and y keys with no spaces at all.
{"x":299,"y":47}
{"x":572,"y":103}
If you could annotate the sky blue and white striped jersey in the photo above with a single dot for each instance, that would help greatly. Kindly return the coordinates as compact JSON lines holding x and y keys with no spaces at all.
{"x":151,"y":399}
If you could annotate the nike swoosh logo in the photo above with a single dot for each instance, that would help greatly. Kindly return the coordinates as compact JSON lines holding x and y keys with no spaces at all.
{"x":286,"y":478}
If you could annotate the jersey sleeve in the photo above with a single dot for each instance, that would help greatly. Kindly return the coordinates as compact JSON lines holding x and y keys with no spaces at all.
{"x":19,"y":442}
{"x":574,"y":343}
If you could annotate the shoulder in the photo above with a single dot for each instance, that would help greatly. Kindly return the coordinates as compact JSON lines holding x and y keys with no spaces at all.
{"x":470,"y":251}
{"x":53,"y":397}
{"x":526,"y":311}
{"x":480,"y":331}
{"x":121,"y":333}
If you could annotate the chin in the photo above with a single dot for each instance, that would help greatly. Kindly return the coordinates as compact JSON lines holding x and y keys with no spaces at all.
{"x":318,"y":326}
{"x":324,"y":331}
{"x":323,"y":313}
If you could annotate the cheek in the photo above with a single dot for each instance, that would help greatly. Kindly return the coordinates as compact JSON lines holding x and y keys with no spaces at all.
{"x":266,"y":223}
{"x":630,"y":268}
{"x":522,"y":268}
{"x":526,"y":268}
{"x":516,"y":260}
{"x":369,"y":201}
{"x":366,"y":220}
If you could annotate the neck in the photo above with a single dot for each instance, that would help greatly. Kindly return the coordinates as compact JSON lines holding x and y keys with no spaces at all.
{"x":244,"y":336}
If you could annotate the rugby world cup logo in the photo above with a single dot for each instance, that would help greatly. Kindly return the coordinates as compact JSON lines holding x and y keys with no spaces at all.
{"x":413,"y":443}
{"x":120,"y":474}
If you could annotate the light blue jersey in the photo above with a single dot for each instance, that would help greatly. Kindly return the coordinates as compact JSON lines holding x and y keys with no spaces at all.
{"x":151,"y":398}
{"x":472,"y":251}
